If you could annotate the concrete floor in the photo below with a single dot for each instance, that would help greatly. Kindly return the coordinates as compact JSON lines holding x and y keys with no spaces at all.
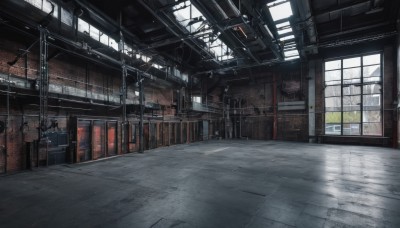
{"x":213,"y":184}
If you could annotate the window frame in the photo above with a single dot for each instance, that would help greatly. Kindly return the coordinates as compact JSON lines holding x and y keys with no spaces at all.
{"x":361,"y":84}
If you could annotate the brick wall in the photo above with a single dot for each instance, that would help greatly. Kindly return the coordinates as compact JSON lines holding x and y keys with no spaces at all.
{"x":76,"y":79}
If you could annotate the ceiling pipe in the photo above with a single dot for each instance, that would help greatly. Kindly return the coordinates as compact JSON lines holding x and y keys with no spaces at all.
{"x":230,"y":9}
{"x":221,"y":12}
{"x":308,"y":19}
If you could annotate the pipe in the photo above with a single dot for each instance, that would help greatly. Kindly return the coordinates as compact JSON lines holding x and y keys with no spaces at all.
{"x":230,"y":9}
{"x":219,"y":9}
{"x":306,"y":15}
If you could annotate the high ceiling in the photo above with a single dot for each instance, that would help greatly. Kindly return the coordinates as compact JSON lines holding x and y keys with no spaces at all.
{"x":247,"y":27}
{"x":203,"y":36}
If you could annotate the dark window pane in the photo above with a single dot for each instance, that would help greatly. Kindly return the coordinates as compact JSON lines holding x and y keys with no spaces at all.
{"x":351,"y":129}
{"x":333,"y":75}
{"x":372,"y":116}
{"x":371,"y":89}
{"x":372,"y":129}
{"x":332,"y":91}
{"x":352,"y":62}
{"x":333,"y":117}
{"x":332,"y":129}
{"x":333,"y":65}
{"x":333,"y":104}
{"x":352,"y":117}
{"x":351,"y":103}
{"x":372,"y":59}
{"x":351,"y":90}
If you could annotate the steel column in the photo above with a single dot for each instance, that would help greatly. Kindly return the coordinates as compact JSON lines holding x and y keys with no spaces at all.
{"x":274,"y":101}
{"x":311,"y":101}
{"x":141,"y":98}
{"x":43,"y":82}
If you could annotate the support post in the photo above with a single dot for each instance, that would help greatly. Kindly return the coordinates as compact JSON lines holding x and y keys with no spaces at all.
{"x":275,"y":105}
{"x":141,"y":98}
{"x":311,"y":101}
{"x":123,"y":93}
{"x":43,"y":83}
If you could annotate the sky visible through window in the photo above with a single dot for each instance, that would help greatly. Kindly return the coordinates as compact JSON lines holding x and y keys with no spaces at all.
{"x":281,"y":11}
{"x":96,"y":34}
{"x":195,"y":23}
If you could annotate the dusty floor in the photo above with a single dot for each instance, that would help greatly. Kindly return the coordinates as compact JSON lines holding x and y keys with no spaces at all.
{"x":213,"y":184}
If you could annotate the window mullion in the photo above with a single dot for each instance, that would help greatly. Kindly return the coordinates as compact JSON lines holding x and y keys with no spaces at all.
{"x":362,"y":97}
{"x":341,"y":97}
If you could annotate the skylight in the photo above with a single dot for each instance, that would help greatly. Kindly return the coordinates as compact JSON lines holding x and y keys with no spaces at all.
{"x":194,"y":22}
{"x":280,"y":25}
{"x":285,"y":30}
{"x":286,"y":38}
{"x":291,"y":53}
{"x":93,"y":32}
{"x":281,"y":11}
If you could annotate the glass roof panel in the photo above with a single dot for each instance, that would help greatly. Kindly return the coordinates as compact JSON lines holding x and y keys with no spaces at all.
{"x":281,"y":11}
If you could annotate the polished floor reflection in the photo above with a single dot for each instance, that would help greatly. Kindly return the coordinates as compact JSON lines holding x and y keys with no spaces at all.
{"x":213,"y":184}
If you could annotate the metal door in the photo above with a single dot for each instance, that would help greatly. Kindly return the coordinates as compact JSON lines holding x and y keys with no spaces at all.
{"x":84,"y":150}
{"x":111,"y":138}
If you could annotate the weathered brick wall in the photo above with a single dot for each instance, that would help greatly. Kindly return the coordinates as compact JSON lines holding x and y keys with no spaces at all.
{"x":72,"y":76}
{"x":257,"y":95}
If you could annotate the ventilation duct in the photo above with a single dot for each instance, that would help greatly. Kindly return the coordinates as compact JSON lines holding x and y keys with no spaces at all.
{"x":229,"y":7}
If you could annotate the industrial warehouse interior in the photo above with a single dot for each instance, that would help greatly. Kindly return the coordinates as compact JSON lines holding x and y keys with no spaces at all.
{"x":199,"y":113}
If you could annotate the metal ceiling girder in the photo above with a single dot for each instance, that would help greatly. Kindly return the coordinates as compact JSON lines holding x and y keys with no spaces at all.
{"x":102,"y":18}
{"x":268,"y":36}
{"x":210,"y":18}
{"x":319,"y":17}
{"x":358,"y":29}
{"x":356,"y":40}
{"x":307,"y":17}
{"x":169,"y":28}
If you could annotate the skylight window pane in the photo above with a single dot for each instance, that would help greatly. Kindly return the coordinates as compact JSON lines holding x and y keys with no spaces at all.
{"x":186,"y":13}
{"x":196,"y":12}
{"x":281,"y":11}
{"x":113,"y":44}
{"x":35,"y":3}
{"x":286,"y":30}
{"x":104,"y":39}
{"x":291,"y":58}
{"x":283,"y":24}
{"x":291,"y":53}
{"x":66,"y":17}
{"x":128,"y":50}
{"x":290,"y":45}
{"x":286,"y":38}
{"x":47,"y":8}
{"x":83,"y":26}
{"x":94,"y":33}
